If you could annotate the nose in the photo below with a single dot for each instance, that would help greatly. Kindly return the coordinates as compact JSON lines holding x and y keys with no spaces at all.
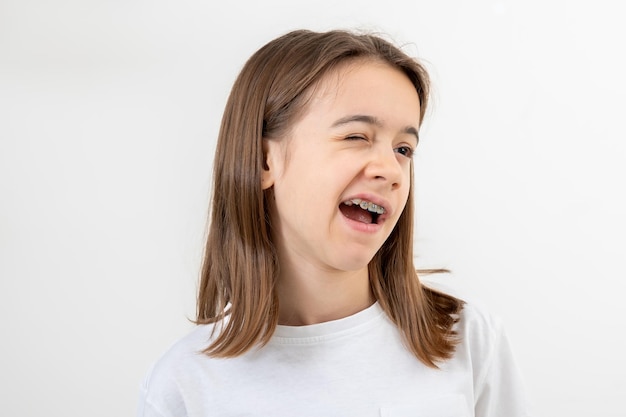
{"x":385,"y":167}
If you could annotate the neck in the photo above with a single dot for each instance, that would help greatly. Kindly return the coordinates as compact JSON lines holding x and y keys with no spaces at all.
{"x":313,"y":295}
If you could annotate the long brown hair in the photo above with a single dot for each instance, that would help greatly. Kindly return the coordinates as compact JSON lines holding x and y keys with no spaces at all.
{"x":240,"y":267}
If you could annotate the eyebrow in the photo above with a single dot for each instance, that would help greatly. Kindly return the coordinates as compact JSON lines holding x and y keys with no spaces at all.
{"x":371,"y":120}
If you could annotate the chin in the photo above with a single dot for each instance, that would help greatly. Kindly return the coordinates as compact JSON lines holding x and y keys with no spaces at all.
{"x":352,"y":262}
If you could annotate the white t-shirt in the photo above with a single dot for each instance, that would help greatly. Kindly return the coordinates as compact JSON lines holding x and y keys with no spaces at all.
{"x":355,"y":366}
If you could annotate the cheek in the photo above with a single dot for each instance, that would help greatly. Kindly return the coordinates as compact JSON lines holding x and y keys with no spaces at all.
{"x":408,"y":180}
{"x":404,"y":193}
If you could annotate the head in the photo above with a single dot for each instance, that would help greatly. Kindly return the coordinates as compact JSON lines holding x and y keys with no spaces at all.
{"x":270,"y":95}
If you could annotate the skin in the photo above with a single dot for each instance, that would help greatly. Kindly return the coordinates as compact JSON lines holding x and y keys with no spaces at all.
{"x":355,"y":139}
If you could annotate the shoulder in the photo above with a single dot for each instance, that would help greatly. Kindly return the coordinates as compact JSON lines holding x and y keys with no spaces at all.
{"x":484,"y":348}
{"x":480,"y":330}
{"x":162,"y":389}
{"x":479,"y":325}
{"x":475,"y":316}
{"x":186,"y":349}
{"x":483,"y":339}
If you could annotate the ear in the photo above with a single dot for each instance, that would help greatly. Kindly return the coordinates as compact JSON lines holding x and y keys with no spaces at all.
{"x":267,"y":175}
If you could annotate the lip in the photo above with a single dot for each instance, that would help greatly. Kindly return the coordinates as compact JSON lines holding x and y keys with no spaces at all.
{"x":379,"y":201}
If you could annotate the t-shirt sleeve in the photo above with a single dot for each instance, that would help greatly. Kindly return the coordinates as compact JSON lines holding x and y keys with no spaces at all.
{"x":146,"y":408}
{"x":500,"y":389}
{"x":159,"y":396}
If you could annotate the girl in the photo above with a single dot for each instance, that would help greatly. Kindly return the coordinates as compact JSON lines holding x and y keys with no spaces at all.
{"x":309,"y":302}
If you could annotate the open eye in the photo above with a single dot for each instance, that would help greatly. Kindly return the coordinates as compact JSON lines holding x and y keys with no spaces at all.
{"x":405,"y":151}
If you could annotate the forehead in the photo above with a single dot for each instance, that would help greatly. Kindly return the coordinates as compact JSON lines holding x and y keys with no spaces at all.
{"x":365,"y":86}
{"x":331,"y":82}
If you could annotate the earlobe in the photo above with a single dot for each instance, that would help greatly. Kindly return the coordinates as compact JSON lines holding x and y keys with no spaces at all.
{"x":266,"y":179}
{"x":267,"y":174}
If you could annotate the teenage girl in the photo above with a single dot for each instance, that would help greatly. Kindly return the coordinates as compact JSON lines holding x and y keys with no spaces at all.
{"x":309,"y":302}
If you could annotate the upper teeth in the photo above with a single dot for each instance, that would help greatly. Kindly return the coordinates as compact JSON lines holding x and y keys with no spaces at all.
{"x":366,"y":205}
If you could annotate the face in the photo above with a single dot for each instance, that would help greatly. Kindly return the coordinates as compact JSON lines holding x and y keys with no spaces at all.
{"x":341,"y":176}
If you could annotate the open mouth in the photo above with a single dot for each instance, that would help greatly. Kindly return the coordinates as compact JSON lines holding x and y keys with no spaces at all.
{"x":361,"y":210}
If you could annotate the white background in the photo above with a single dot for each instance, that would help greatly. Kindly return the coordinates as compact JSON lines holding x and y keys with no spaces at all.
{"x":108,"y":115}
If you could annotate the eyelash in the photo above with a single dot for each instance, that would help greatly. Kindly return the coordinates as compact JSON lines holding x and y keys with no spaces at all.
{"x":356,"y":138}
{"x":405,"y":151}
{"x":408,"y":151}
